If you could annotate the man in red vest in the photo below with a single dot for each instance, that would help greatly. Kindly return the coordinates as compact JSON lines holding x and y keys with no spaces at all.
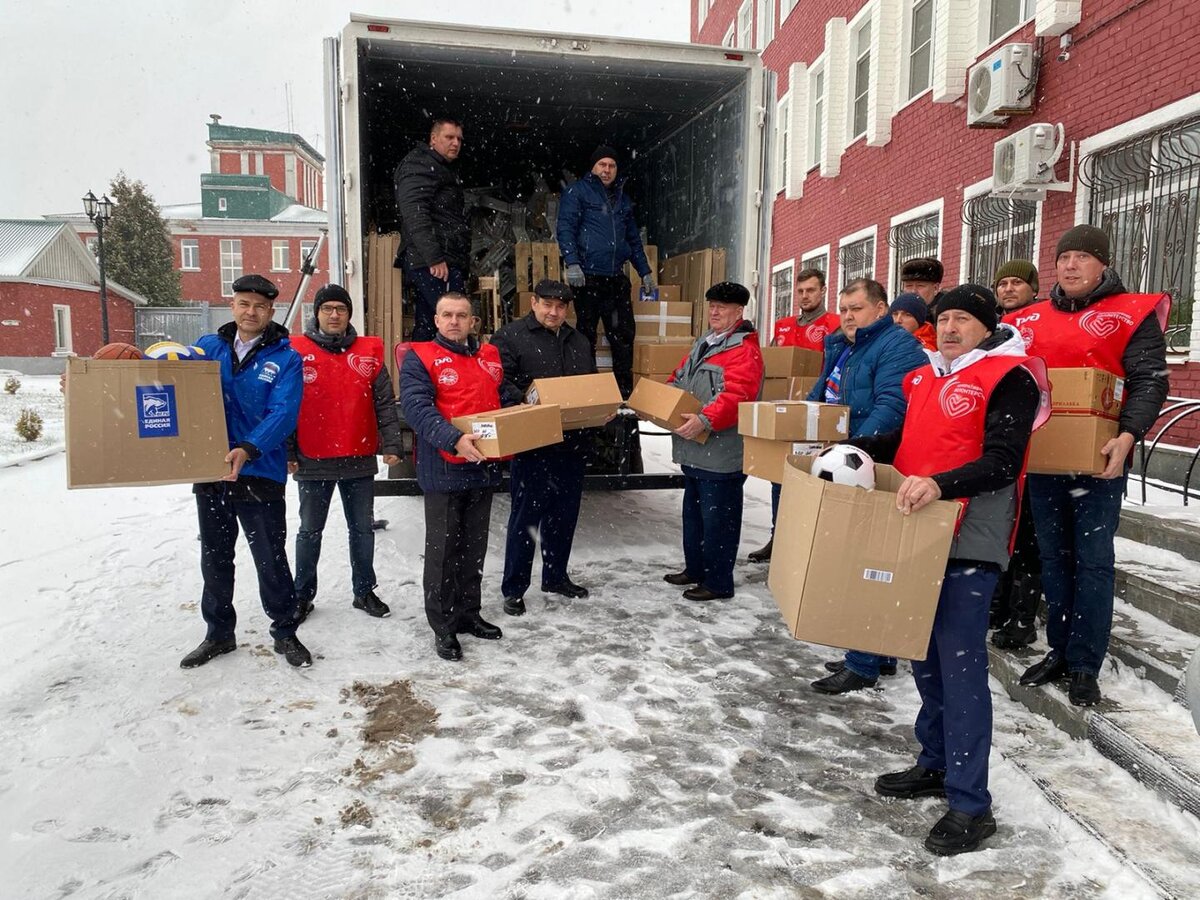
{"x":453,"y":375}
{"x":1090,"y":321}
{"x":810,"y":328}
{"x":347,"y":415}
{"x":965,"y":437}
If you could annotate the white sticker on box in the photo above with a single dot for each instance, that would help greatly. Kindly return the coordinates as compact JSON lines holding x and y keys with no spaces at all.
{"x":843,"y":423}
{"x":806,"y":449}
{"x":1119,"y":391}
{"x":880,"y":575}
{"x":781,"y":409}
{"x":484,"y":429}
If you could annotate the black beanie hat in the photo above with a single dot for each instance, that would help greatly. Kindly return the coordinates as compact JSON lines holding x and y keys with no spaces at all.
{"x":602,"y":152}
{"x":971,"y":298}
{"x":332,"y":293}
{"x":922,"y":268}
{"x":1086,"y":239}
{"x":728,"y":292}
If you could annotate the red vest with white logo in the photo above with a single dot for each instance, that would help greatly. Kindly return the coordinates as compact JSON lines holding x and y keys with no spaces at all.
{"x":337,"y":408}
{"x":465,"y":385}
{"x":1094,"y":337}
{"x":790,"y":333}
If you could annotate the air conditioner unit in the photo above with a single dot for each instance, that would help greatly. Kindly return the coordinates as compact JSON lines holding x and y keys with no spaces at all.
{"x":1024,"y":162}
{"x":1000,"y":85}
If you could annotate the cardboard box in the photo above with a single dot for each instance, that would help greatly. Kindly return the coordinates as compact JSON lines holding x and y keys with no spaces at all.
{"x":1070,"y":443}
{"x":794,"y":420}
{"x":1086,"y":390}
{"x":652,"y":357}
{"x":660,"y":377}
{"x":144,"y":422}
{"x":858,"y":573}
{"x":663,"y":404}
{"x":787,"y":362}
{"x":662,"y":319}
{"x":584,"y":401}
{"x":800,"y":387}
{"x":765,"y":459}
{"x":503,"y":432}
{"x":775,"y":389}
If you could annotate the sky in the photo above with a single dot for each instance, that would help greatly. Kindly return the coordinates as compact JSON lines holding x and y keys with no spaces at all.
{"x":93,"y":88}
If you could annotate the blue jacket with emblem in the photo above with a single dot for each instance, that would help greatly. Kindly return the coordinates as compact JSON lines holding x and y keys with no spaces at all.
{"x":596,"y":228}
{"x":873,"y":374}
{"x":261,"y":395}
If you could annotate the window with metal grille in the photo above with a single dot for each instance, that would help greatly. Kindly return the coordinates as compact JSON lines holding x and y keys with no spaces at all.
{"x":856,"y":260}
{"x":781,"y":291}
{"x":998,"y":230}
{"x":917,"y":237}
{"x":1143,"y":193}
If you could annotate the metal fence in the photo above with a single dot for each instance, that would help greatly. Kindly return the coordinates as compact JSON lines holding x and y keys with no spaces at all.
{"x":185,"y":324}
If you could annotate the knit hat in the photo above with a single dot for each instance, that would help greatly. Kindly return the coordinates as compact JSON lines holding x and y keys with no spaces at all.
{"x":255,"y":284}
{"x":1086,"y":239}
{"x":728,"y":292}
{"x":549,"y":289}
{"x":602,"y":152}
{"x":971,"y":298}
{"x":1018,"y":268}
{"x":332,"y":293}
{"x":913,"y":305}
{"x":922,"y":268}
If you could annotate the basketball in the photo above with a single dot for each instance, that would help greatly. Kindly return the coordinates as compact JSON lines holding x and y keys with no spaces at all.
{"x":118,"y":351}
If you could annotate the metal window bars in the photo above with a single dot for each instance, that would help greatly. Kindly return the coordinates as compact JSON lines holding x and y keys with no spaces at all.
{"x":998,"y":230}
{"x":917,"y":237}
{"x":857,"y":260}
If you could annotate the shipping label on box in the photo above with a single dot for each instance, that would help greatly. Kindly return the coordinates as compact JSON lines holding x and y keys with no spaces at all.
{"x":1086,"y":391}
{"x":144,"y":422}
{"x":858,"y":573}
{"x":663,"y":319}
{"x":765,"y":459}
{"x":794,"y":420}
{"x":514,"y":429}
{"x":663,"y":404}
{"x":661,"y":356}
{"x":1070,"y":444}
{"x":787,"y":362}
{"x":584,"y":401}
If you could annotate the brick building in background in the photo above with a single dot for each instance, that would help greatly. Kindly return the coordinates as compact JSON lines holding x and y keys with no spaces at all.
{"x":874,"y":160}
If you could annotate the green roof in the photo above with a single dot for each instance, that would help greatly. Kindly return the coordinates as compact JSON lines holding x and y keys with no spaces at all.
{"x":239,"y":135}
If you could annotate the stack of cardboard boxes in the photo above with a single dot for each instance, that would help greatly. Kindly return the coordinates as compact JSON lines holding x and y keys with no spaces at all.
{"x":774,"y":430}
{"x":1085,"y":407}
{"x":789,"y":373}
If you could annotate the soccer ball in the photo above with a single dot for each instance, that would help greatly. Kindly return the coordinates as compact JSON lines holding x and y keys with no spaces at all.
{"x":173,"y":350}
{"x":844,"y":464}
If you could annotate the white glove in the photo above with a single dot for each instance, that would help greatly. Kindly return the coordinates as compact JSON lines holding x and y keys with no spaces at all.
{"x":575,"y":276}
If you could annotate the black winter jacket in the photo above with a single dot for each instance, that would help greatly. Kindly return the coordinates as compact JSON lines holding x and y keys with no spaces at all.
{"x":433,"y":223}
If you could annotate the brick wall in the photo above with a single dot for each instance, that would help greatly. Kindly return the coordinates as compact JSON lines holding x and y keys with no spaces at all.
{"x":32,"y":305}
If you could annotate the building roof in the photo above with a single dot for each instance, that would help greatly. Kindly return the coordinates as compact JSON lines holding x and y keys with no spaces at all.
{"x":48,"y":251}
{"x":296,"y":213}
{"x":241,"y":135}
{"x":22,"y":242}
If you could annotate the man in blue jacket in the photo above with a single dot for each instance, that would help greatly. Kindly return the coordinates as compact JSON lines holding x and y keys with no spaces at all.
{"x":865,"y":365}
{"x":597,"y":236}
{"x":261,"y":386}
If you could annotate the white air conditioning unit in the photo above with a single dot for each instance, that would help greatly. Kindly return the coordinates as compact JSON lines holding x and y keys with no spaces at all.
{"x":1023,"y":163}
{"x":1000,"y":85}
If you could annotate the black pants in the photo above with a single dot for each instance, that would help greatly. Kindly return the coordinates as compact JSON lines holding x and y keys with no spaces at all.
{"x":606,"y":298}
{"x":547,"y":486}
{"x":456,"y":539}
{"x":1020,"y":586}
{"x":256,"y":504}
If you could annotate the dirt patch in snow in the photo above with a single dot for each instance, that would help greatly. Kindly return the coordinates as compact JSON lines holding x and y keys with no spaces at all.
{"x":396,"y":719}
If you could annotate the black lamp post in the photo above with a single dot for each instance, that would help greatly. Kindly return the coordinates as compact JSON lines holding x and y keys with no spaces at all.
{"x":99,"y":212}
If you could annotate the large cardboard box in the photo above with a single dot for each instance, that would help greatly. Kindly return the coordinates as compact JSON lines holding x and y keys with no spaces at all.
{"x":858,"y":573}
{"x":787,"y":362}
{"x":796,"y":388}
{"x":1085,"y":406}
{"x":144,"y":422}
{"x":794,"y":420}
{"x":800,"y":387}
{"x":663,"y":319}
{"x":514,"y":429}
{"x":659,"y":356}
{"x":660,"y":377}
{"x":584,"y":401}
{"x":663,"y":404}
{"x":1086,"y":390}
{"x":765,"y":459}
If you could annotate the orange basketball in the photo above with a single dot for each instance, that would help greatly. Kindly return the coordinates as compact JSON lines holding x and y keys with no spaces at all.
{"x":118,"y":351}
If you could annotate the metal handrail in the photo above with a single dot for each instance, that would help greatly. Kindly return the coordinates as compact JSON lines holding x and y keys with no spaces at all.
{"x":1187,"y":407}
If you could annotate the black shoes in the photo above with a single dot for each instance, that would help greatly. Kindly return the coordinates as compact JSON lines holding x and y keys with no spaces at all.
{"x":1084,"y":689}
{"x":842,"y":682}
{"x":447,"y":647}
{"x":838,"y":664}
{"x":912,"y":783}
{"x":763,"y":554}
{"x":294,"y":652}
{"x":474,"y":624}
{"x":304,"y":610}
{"x":1013,"y":635}
{"x":372,"y":605}
{"x":956,"y":832}
{"x":700,"y":593}
{"x":680,"y":579}
{"x":514,"y":606}
{"x":567,"y":588}
{"x":1051,"y":668}
{"x":207,"y":651}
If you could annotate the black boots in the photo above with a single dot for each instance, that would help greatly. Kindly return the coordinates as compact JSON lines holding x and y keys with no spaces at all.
{"x":1084,"y":689}
{"x":842,"y":682}
{"x":206,"y":652}
{"x":294,"y":652}
{"x":1051,"y":668}
{"x":680,"y":579}
{"x":372,"y":605}
{"x":838,"y":664}
{"x":912,"y":783}
{"x":763,"y":554}
{"x":514,"y":606}
{"x":474,"y":624}
{"x":1018,"y":613}
{"x":567,"y":588}
{"x":447,"y":647}
{"x":956,"y":832}
{"x":701,"y":593}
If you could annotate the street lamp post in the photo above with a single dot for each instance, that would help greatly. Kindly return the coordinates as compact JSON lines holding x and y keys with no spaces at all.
{"x":99,"y":212}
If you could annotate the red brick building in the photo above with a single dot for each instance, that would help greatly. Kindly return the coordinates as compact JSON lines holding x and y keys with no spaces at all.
{"x":874,"y":159}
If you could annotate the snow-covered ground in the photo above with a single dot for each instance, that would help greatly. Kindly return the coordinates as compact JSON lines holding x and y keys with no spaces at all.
{"x":628,"y":745}
{"x":41,"y":394}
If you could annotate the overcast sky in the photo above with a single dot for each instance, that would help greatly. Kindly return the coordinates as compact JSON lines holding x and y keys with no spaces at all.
{"x":89,"y":87}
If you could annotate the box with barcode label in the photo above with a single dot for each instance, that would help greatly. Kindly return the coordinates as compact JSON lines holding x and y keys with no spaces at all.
{"x":794,"y":420}
{"x":515,"y":429}
{"x":857,"y":573}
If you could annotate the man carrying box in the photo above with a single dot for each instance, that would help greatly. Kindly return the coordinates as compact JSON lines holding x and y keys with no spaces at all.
{"x":452,"y":375}
{"x":547,"y":483}
{"x":809,"y":329}
{"x":1090,"y":321}
{"x":260,"y":383}
{"x":347,"y":413}
{"x":965,"y":437}
{"x":723,"y":369}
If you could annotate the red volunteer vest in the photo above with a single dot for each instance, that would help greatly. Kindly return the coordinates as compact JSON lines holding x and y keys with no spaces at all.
{"x":790,"y":333}
{"x":465,"y":384}
{"x":1095,"y":337}
{"x":944,"y":425}
{"x":337,"y":408}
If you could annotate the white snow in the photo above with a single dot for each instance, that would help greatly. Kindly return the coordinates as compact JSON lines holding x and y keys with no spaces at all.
{"x":39,"y":393}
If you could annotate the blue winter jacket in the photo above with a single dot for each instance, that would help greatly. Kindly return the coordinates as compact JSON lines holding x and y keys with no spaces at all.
{"x":872,"y":375}
{"x":596,"y":229}
{"x":261,"y":395}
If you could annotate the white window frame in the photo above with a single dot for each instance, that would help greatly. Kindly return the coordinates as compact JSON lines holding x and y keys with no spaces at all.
{"x":93,"y":245}
{"x":766,"y":23}
{"x":730,"y":37}
{"x":701,"y":13}
{"x":305,"y":246}
{"x":854,"y":56}
{"x":189,"y":255}
{"x":807,"y":260}
{"x":244,"y":161}
{"x":279,"y":264}
{"x":783,"y":135}
{"x":63,"y":338}
{"x":871,"y":231}
{"x":817,"y":117}
{"x":904,"y":82}
{"x":786,"y":7}
{"x":231,"y":264}
{"x":964,"y":255}
{"x":222,"y":204}
{"x":786,"y":265}
{"x":938,"y":206}
{"x":744,"y":22}
{"x":983,"y":20}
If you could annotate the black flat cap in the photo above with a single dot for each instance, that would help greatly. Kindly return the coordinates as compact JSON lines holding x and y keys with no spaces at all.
{"x":255,"y":284}
{"x":549,"y":289}
{"x":728,"y":292}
